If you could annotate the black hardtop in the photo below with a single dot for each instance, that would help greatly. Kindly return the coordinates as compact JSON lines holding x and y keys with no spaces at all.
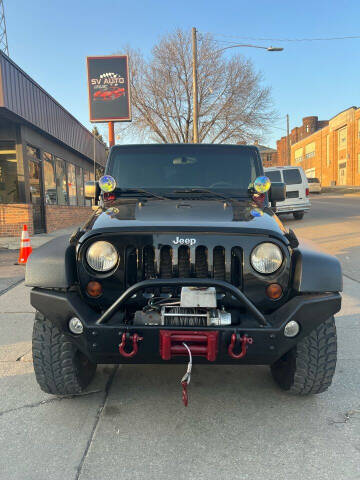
{"x":188,"y":146}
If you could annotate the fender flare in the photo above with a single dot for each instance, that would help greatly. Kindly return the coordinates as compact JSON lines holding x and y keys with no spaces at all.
{"x":316,"y":272}
{"x":53,"y":265}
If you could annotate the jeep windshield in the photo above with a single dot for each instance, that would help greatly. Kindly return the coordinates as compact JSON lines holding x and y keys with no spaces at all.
{"x":183,"y":169}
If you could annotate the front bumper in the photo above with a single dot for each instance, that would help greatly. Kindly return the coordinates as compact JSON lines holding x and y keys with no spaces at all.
{"x":100,"y":340}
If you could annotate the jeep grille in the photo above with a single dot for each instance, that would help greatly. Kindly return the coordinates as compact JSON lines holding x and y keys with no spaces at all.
{"x":183,"y":261}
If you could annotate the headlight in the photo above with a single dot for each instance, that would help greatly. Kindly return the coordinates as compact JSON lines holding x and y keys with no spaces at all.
{"x":102,"y":256}
{"x":266,"y":258}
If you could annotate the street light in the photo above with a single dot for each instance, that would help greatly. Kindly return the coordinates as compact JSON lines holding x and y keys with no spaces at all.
{"x":195,"y":78}
{"x":269,"y":49}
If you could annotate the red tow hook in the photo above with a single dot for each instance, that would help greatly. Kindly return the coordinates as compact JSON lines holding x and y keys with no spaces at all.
{"x":244,"y":340}
{"x":135,"y":338}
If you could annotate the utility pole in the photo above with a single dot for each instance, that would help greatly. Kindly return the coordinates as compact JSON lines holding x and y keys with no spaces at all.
{"x":111,"y":134}
{"x":3,"y":36}
{"x":195,"y":86}
{"x":288,"y":151}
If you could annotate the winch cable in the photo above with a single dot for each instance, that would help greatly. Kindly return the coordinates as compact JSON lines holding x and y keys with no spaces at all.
{"x":186,"y":378}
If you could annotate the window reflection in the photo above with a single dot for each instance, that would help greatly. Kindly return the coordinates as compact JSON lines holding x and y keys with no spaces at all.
{"x":9,"y":191}
{"x":80,"y":185}
{"x":61,"y":189}
{"x":71,"y":178}
{"x":49,"y":179}
{"x":87,"y":179}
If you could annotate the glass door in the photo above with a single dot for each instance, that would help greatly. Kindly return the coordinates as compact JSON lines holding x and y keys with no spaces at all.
{"x":36,"y":195}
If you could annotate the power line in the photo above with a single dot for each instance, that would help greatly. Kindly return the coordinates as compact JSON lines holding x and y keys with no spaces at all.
{"x":316,"y":39}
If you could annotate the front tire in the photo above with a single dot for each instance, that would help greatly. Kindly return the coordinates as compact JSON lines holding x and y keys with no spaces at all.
{"x":309,"y":367}
{"x":60,"y":368}
{"x":298,"y":215}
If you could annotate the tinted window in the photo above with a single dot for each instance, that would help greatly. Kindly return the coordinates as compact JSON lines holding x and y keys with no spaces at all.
{"x":292,"y":177}
{"x":313,"y":180}
{"x":49,"y":179}
{"x":274,"y":176}
{"x":80,"y":185}
{"x":71,"y":178}
{"x":184,"y":167}
{"x":61,"y":182}
{"x":8,"y":173}
{"x":87,"y":179}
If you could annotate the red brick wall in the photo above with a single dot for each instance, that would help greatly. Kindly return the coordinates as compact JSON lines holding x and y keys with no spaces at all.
{"x":326,"y":169}
{"x":12,"y":218}
{"x":282,"y":156}
{"x":309,"y":126}
{"x":61,"y":216}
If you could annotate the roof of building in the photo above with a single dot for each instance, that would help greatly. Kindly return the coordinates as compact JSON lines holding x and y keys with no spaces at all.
{"x":23,"y":97}
{"x":264,"y":148}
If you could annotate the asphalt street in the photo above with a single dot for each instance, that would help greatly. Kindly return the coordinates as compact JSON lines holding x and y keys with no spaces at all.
{"x":131,"y":423}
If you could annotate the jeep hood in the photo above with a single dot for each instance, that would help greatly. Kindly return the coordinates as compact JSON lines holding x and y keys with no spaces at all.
{"x":182,"y":215}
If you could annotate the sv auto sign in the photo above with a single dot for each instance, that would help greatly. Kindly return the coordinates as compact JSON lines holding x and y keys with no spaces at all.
{"x":109,"y":88}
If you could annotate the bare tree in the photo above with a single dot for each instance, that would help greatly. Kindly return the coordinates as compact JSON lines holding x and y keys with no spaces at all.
{"x":233,"y":105}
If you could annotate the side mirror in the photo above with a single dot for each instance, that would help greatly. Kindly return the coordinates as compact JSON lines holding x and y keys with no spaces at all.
{"x":92,"y":190}
{"x":277,"y":193}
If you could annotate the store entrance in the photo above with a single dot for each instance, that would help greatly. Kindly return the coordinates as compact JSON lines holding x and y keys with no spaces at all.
{"x":36,"y":196}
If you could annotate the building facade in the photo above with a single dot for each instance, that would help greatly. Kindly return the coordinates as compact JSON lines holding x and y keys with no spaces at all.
{"x":309,"y":126}
{"x":46,"y":155}
{"x":332,"y":153}
{"x":268,"y":155}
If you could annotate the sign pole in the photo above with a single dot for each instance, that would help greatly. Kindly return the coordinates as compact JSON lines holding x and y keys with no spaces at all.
{"x":111,"y":134}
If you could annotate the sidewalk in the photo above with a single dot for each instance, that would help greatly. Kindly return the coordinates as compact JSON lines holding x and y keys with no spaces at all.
{"x":11,"y":273}
{"x":340,"y":190}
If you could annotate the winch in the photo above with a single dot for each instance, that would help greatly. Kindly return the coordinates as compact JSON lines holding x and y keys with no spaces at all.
{"x":197,"y":307}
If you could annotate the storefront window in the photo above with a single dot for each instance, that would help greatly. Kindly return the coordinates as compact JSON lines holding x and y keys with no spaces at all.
{"x":9,"y":192}
{"x":61,"y":189}
{"x":87,"y":179}
{"x":80,"y":185}
{"x":49,"y":179}
{"x":71,"y":183}
{"x":32,"y":152}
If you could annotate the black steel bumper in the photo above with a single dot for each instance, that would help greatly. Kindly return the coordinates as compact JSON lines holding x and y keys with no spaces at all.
{"x":100,"y":340}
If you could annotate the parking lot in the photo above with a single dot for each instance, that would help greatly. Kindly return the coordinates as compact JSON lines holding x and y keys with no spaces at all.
{"x":131,"y":423}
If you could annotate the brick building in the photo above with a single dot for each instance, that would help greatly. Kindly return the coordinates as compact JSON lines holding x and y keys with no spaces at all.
{"x":46,"y":155}
{"x":332,"y":153}
{"x":309,"y":126}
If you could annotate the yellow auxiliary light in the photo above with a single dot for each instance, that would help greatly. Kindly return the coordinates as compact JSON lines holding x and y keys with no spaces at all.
{"x":107,"y":183}
{"x":262,"y":184}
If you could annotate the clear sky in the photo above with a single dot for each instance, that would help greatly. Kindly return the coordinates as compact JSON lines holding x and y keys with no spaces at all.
{"x":50,"y":40}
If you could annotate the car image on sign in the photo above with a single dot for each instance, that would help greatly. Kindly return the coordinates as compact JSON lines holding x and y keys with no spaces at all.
{"x":109,"y":94}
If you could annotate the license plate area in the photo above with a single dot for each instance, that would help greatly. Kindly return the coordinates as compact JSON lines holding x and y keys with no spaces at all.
{"x":201,"y":344}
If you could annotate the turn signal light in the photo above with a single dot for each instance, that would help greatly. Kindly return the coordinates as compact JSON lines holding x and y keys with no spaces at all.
{"x":274,"y":291}
{"x":94,"y":289}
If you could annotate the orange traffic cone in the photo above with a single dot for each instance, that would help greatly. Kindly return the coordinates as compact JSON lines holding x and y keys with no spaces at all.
{"x":25,"y":247}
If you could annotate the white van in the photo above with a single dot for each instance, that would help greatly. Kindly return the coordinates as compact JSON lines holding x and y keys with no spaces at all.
{"x":297,"y":190}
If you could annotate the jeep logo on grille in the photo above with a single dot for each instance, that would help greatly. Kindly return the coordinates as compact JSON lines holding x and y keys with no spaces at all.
{"x":184,"y":241}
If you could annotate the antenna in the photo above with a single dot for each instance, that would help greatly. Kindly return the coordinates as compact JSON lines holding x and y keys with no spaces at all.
{"x":3,"y":37}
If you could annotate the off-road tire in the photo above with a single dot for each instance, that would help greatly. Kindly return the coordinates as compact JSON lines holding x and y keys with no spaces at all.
{"x":298,"y":215}
{"x":310,"y":366}
{"x":60,"y":368}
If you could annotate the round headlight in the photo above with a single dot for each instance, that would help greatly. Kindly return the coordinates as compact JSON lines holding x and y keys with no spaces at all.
{"x":266,"y":258}
{"x":102,"y":256}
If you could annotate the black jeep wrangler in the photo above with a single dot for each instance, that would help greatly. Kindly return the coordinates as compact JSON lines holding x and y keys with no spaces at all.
{"x":184,"y":259}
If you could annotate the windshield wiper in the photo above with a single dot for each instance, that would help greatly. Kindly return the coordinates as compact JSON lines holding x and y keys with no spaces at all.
{"x":206,"y":190}
{"x":144,"y":192}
